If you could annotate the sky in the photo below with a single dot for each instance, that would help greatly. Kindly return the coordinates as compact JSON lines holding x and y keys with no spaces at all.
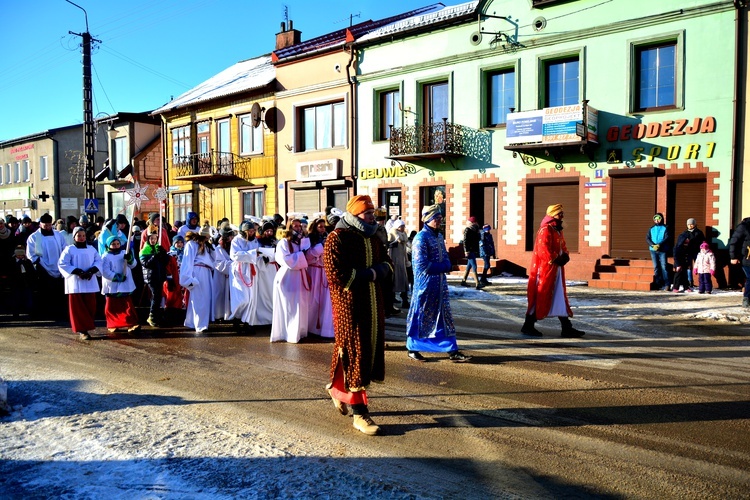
{"x":150,"y":50}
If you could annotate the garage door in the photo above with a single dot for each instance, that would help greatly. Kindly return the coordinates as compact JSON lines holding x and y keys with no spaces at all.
{"x":631,"y":215}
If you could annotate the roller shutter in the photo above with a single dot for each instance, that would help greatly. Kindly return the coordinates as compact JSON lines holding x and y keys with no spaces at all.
{"x":631,"y":215}
{"x":543,"y":195}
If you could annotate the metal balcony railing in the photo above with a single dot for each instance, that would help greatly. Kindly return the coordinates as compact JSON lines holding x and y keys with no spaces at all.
{"x":213,"y":164}
{"x":439,"y":138}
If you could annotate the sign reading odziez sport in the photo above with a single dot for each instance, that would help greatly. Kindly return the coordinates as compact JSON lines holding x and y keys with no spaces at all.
{"x":552,"y":125}
{"x":318,"y":170}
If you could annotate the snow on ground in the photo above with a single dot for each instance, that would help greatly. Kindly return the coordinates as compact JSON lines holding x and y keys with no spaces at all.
{"x":73,"y":438}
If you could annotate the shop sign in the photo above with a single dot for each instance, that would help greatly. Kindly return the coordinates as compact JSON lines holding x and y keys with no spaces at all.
{"x":381,"y":173}
{"x":318,"y":170}
{"x":556,"y":125}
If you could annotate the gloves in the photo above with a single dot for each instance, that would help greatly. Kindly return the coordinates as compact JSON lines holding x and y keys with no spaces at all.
{"x":304,"y":244}
{"x":77,"y":272}
{"x":695,"y":270}
{"x":712,"y":272}
{"x":129,"y":258}
{"x":382,"y":270}
{"x":655,"y":248}
{"x":118,"y":278}
{"x":562,"y":259}
{"x":85,"y":275}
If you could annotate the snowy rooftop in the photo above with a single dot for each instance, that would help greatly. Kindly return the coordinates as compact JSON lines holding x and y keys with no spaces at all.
{"x":445,"y":14}
{"x":245,"y":75}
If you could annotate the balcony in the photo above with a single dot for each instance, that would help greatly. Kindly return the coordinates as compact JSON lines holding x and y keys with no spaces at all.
{"x":438,"y":141}
{"x":220,"y":167}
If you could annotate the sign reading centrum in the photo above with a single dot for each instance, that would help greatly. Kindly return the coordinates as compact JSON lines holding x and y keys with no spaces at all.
{"x":551,"y":125}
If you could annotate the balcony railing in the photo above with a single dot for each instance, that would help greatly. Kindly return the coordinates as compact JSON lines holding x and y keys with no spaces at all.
{"x":434,"y":140}
{"x":218,"y":165}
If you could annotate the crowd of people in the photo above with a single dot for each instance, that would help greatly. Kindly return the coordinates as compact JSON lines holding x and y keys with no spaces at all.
{"x":337,"y":277}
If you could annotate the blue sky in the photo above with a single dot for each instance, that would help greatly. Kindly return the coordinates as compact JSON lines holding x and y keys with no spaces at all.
{"x":151,"y":50}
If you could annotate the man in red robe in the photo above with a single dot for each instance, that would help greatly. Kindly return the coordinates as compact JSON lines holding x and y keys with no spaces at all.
{"x":546,"y":291}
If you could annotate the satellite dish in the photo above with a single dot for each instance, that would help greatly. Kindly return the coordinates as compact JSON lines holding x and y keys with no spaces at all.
{"x":255,"y":112}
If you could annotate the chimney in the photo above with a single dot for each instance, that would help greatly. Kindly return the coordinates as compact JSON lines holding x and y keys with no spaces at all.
{"x":287,"y":38}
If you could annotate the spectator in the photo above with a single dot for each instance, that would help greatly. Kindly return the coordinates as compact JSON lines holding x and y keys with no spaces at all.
{"x":657,"y":238}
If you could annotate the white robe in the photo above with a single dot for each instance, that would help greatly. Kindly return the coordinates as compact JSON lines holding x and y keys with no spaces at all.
{"x":115,"y":264}
{"x":320,"y":313}
{"x":84,"y":259}
{"x":46,"y":250}
{"x":262,"y":299}
{"x":196,"y":275}
{"x":243,"y":281}
{"x":223,"y":269}
{"x":291,"y":294}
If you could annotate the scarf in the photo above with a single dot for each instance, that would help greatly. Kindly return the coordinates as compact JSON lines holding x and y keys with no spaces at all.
{"x":5,"y":233}
{"x":354,"y":222}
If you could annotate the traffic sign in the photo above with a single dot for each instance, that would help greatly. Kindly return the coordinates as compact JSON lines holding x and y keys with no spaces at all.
{"x":90,"y":205}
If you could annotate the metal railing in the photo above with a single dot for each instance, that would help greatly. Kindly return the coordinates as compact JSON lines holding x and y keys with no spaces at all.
{"x":440,"y":137}
{"x":214,"y":163}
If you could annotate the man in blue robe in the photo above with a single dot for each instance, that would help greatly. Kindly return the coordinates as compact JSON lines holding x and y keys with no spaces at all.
{"x":429,"y":325}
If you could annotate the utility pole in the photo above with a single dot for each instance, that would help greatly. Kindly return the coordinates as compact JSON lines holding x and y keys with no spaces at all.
{"x":88,"y":115}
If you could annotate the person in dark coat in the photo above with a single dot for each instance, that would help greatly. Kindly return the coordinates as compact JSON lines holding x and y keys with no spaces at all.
{"x":696,"y":237}
{"x":22,"y":282}
{"x":657,"y":238}
{"x":471,"y":251}
{"x":682,"y":262}
{"x":739,"y":253}
{"x":154,"y":260}
{"x":486,"y":251}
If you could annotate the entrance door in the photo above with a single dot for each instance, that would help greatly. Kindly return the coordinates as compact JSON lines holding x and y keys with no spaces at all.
{"x":483,"y":204}
{"x":686,"y":199}
{"x":631,"y":215}
{"x":391,"y":200}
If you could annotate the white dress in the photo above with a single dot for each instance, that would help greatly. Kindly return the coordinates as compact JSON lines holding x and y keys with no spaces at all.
{"x":243,"y":282}
{"x":46,"y":250}
{"x":320,"y":312}
{"x":262,"y":298}
{"x":196,"y":275}
{"x":73,"y":258}
{"x":222,"y":273}
{"x":291,"y":294}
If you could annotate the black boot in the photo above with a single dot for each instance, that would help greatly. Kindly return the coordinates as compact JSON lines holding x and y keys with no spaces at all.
{"x":404,"y":300}
{"x":528,"y":326}
{"x":568,"y":331}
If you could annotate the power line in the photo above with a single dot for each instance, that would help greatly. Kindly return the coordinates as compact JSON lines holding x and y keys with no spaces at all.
{"x":127,"y":59}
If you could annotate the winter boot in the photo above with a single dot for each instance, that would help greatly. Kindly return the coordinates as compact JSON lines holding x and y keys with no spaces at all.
{"x":528,"y":326}
{"x":568,"y":331}
{"x":152,"y":321}
{"x":745,"y":301}
{"x":404,"y":300}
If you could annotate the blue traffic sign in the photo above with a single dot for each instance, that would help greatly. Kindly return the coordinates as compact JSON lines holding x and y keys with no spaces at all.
{"x":90,"y":205}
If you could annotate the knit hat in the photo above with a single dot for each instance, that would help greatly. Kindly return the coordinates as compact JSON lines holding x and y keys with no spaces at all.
{"x":268,"y":225}
{"x":178,"y":237}
{"x":121,"y":219}
{"x":44,"y":219}
{"x":205,"y":231}
{"x":430,"y":212}
{"x":398,"y":223}
{"x":705,"y":245}
{"x":84,"y":219}
{"x":78,"y":230}
{"x":19,"y":251}
{"x":472,"y":219}
{"x":153,"y":217}
{"x":26,"y":219}
{"x":246,"y":225}
{"x":553,"y":210}
{"x":111,"y":239}
{"x":691,"y":221}
{"x":226,"y":231}
{"x":359,"y":204}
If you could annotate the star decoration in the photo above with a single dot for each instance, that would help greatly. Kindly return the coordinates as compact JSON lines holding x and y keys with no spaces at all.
{"x":160,"y":194}
{"x":136,"y":195}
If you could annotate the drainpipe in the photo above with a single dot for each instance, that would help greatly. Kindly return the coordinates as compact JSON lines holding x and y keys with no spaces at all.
{"x":740,"y":70}
{"x":353,"y":104}
{"x":58,"y":201}
{"x":165,"y":174}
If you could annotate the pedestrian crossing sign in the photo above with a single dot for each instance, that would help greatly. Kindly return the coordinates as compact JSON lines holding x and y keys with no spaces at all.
{"x":90,"y":205}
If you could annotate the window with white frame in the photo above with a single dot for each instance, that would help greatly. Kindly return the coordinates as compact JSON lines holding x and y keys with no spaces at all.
{"x":17,"y":172}
{"x":253,"y":203}
{"x":182,"y":203}
{"x":388,"y":113}
{"x":562,"y":77}
{"x":120,"y":156}
{"x":322,"y":126}
{"x":25,"y":171}
{"x":181,"y":144}
{"x":7,"y":174}
{"x":656,"y":76}
{"x":2,"y":174}
{"x":43,"y":168}
{"x":501,"y":96}
{"x":251,"y":138}
{"x":204,"y":138}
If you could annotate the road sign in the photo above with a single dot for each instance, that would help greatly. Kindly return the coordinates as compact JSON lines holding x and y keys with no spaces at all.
{"x":90,"y":205}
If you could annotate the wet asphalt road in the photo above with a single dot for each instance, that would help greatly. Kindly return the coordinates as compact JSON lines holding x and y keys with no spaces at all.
{"x":649,"y":404}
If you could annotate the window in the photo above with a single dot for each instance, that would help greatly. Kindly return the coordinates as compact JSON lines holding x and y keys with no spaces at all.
{"x":253,"y":203}
{"x":389,"y":113}
{"x":25,"y":171}
{"x":562,"y":77}
{"x":120,"y":154}
{"x":501,"y":90}
{"x":117,"y":203}
{"x":436,"y":102}
{"x":251,"y":138}
{"x":180,"y":144}
{"x":323,"y":126}
{"x":43,"y":168}
{"x":17,"y":172}
{"x":2,"y":174}
{"x":182,"y":203}
{"x":656,"y":77}
{"x":7,"y":174}
{"x":222,"y":128}
{"x":204,"y":136}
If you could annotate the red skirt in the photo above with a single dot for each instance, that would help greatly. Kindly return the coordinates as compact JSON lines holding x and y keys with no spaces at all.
{"x":339,"y":392}
{"x":82,"y":311}
{"x":120,"y":312}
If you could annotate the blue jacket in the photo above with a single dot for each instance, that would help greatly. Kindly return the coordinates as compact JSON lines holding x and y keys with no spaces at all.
{"x":658,"y":235}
